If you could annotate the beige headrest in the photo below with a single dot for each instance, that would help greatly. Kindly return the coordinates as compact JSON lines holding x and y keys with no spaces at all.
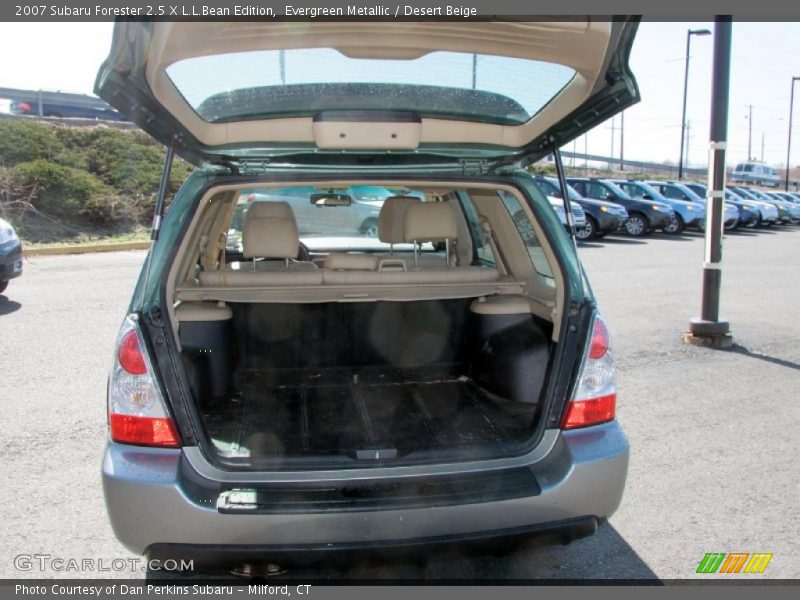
{"x":430,"y":222}
{"x":392,"y":218}
{"x":270,"y":231}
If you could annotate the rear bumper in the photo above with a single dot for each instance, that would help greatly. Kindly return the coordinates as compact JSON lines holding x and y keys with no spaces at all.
{"x":10,"y":260}
{"x":231,"y":555}
{"x":154,"y":505}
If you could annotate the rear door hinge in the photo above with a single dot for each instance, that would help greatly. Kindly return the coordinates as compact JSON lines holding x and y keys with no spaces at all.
{"x":253,"y":167}
{"x":475,"y":166}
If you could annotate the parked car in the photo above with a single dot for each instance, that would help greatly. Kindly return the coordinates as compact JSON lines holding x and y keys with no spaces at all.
{"x":10,"y":254}
{"x":451,"y":380}
{"x":601,"y":217}
{"x":756,"y":173}
{"x":784,"y":212}
{"x":578,"y":216}
{"x":748,"y":214}
{"x":732,"y":215}
{"x":643,"y":215}
{"x":65,"y":109}
{"x":788,"y":203}
{"x":767,"y":213}
{"x":686,"y":215}
{"x":794,"y":198}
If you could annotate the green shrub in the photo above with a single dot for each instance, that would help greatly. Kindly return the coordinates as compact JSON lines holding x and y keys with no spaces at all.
{"x":92,"y":175}
{"x":68,"y":192}
{"x":543,"y":169}
{"x":127,"y":160}
{"x":23,"y":141}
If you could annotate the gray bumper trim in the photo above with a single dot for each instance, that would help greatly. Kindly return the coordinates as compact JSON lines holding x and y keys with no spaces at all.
{"x":150,"y":502}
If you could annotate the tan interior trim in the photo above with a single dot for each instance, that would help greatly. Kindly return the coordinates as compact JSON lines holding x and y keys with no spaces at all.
{"x":348,"y":293}
{"x":522,"y":277}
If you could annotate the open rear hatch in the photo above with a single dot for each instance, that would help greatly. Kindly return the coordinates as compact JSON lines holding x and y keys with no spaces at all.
{"x":439,"y":378}
{"x":391,"y":93}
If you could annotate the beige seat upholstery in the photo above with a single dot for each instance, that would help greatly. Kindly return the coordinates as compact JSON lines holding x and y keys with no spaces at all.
{"x":431,"y":222}
{"x":391,"y":220}
{"x":390,"y":231}
{"x":338,"y":261}
{"x":269,"y":233}
{"x":422,"y":222}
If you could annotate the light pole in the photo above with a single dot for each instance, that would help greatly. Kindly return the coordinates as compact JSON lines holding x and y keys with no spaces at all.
{"x":708,"y":329}
{"x":789,"y":142}
{"x":689,"y":35}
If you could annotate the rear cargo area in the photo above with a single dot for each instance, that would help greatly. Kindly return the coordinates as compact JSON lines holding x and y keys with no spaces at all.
{"x":372,"y":381}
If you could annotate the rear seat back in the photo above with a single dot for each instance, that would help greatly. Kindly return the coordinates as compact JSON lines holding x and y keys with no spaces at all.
{"x":338,"y":261}
{"x":269,"y":233}
{"x":390,"y":231}
{"x":422,"y":222}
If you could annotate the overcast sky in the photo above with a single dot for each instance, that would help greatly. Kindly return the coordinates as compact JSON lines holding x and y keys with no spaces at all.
{"x":58,"y":56}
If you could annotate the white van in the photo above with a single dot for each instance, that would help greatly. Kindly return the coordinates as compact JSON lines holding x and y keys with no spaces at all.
{"x":755,"y":173}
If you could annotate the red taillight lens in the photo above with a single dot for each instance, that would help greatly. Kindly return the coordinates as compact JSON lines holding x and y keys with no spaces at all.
{"x":596,"y":397}
{"x":130,"y":356}
{"x":600,"y":340}
{"x":143,"y":431}
{"x":581,"y":413}
{"x":137,"y":413}
{"x":24,"y":106}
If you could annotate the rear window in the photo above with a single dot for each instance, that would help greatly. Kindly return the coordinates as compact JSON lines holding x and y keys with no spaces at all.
{"x":280,"y":83}
{"x":673,"y":192}
{"x":639,"y":190}
{"x":552,"y":187}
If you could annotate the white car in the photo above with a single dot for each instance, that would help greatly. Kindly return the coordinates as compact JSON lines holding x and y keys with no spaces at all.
{"x":578,"y":216}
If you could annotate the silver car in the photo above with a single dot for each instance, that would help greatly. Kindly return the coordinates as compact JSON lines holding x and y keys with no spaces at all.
{"x":444,"y":378}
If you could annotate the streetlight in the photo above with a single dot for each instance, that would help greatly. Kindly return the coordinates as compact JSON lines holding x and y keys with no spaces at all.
{"x":689,"y":35}
{"x":789,"y":143}
{"x":708,"y":329}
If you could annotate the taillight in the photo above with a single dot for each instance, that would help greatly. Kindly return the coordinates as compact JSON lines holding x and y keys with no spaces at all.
{"x":24,"y":106}
{"x":596,"y":397}
{"x":129,"y":354}
{"x":136,"y":411}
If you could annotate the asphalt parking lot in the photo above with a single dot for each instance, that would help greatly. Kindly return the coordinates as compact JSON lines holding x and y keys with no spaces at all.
{"x":715,"y":464}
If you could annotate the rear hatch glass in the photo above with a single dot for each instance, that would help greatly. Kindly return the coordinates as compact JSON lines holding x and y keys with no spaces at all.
{"x":248,"y":85}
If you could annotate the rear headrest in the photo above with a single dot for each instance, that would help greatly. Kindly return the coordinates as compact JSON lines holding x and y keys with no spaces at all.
{"x":391,"y":219}
{"x":430,"y":222}
{"x":270,"y":231}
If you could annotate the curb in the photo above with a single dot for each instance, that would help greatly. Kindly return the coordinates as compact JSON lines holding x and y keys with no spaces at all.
{"x":86,"y":249}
